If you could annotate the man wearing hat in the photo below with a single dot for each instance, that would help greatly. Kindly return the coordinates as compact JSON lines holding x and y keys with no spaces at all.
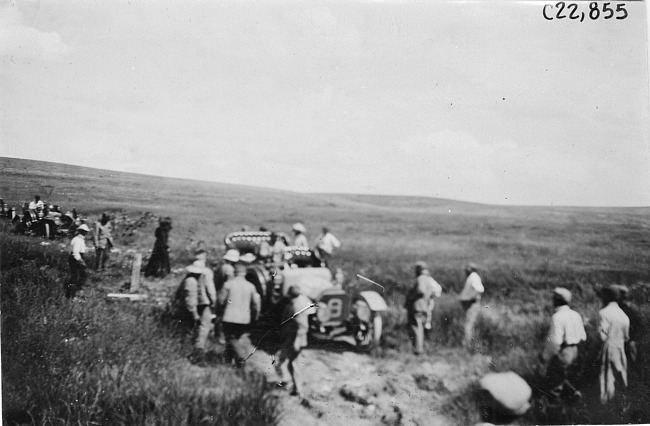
{"x":614,"y":329}
{"x":225,"y":272}
{"x":299,"y":239}
{"x":470,"y":299}
{"x":293,"y":332}
{"x":76,"y":261}
{"x":197,"y":295}
{"x":566,"y":333}
{"x":419,"y":304}
{"x":637,"y":331}
{"x":242,"y":305}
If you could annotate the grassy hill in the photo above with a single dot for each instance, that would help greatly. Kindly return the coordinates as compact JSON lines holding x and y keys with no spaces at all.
{"x":529,"y":247}
{"x":523,"y":252}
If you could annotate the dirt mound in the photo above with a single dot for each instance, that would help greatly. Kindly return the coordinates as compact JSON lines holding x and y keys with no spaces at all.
{"x":355,"y":389}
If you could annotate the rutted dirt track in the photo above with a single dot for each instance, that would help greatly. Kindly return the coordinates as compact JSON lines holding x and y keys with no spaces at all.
{"x":341,"y":386}
{"x":356,"y":389}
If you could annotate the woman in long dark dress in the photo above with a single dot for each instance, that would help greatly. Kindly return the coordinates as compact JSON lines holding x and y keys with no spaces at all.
{"x":158,"y":265}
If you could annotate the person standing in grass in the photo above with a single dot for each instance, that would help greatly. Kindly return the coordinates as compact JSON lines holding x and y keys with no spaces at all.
{"x":242,"y":305}
{"x":561,"y":352}
{"x":197,"y":296}
{"x":638,"y":329}
{"x":158,"y":265}
{"x":614,"y":329}
{"x":419,"y":305}
{"x":76,"y":261}
{"x":103,"y":241}
{"x":470,"y":299}
{"x":225,"y":272}
{"x":293,"y":332}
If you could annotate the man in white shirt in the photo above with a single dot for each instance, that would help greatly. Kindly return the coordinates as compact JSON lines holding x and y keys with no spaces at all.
{"x":327,"y":242}
{"x":76,"y":261}
{"x":561,"y":352}
{"x":299,"y":239}
{"x":37,"y":204}
{"x":242,"y":306}
{"x":470,"y":299}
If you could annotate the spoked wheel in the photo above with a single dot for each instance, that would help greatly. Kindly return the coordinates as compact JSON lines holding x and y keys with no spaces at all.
{"x":369,"y":332}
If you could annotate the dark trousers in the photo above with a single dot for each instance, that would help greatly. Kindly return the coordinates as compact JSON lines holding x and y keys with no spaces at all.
{"x":238,"y":343}
{"x":101,"y":258}
{"x":562,"y":372}
{"x":416,"y":330}
{"x":78,"y":277}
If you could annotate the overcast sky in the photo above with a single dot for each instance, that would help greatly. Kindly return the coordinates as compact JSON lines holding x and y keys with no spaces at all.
{"x":479,"y":101}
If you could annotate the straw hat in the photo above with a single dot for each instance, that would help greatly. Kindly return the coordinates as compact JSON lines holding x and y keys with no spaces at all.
{"x":299,"y":227}
{"x":232,"y":255}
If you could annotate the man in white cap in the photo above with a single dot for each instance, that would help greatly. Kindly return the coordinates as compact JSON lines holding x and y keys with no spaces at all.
{"x":198,"y":296}
{"x":561,"y":352}
{"x":614,"y":330}
{"x":293,"y":332}
{"x":299,"y":239}
{"x":76,"y":261}
{"x":242,"y":305}
{"x":470,"y":299}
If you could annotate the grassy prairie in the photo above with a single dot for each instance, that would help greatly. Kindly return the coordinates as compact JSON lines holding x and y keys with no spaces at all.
{"x":522,"y":251}
{"x":98,"y":362}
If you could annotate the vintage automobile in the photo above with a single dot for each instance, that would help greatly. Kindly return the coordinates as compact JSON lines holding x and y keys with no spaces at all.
{"x":337,"y":315}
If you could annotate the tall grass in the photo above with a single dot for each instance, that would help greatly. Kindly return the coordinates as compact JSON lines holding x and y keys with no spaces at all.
{"x":99,"y":362}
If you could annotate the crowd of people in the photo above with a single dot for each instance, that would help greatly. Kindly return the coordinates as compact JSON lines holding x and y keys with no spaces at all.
{"x":620,"y":327}
{"x":224,"y":303}
{"x":41,"y":219}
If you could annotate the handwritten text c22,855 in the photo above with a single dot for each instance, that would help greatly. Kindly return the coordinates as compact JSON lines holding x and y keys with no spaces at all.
{"x":581,"y":11}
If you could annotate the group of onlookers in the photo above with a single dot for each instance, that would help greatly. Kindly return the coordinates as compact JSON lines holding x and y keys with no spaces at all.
{"x":324,"y":246}
{"x":420,"y":304}
{"x":41,"y":219}
{"x":620,"y":327}
{"x":226,"y":303}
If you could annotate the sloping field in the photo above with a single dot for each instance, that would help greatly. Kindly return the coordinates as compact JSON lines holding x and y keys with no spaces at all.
{"x":526,"y":247}
{"x":522,"y":251}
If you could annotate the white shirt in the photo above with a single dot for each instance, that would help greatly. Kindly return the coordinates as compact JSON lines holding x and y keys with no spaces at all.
{"x":301,"y":241}
{"x":614,"y":326}
{"x":566,"y":328}
{"x":473,"y":288}
{"x":78,"y":246}
{"x":328,"y":243}
{"x":36,"y":205}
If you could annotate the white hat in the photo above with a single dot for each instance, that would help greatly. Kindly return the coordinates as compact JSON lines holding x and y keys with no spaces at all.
{"x":231,"y":255}
{"x":197,"y":267}
{"x":299,"y":227}
{"x":83,"y":227}
{"x":248,"y":258}
{"x":563,"y":293}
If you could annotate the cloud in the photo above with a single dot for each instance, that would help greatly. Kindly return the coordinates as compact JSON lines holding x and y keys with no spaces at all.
{"x":18,"y":40}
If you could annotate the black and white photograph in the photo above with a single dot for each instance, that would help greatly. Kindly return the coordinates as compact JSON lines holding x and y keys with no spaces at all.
{"x":365,"y":212}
